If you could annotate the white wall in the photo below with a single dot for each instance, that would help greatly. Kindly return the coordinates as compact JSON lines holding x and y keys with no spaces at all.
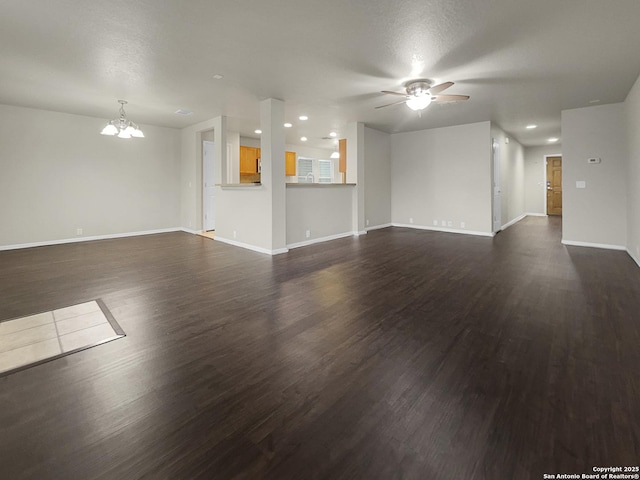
{"x":535,"y":177}
{"x":511,"y":175}
{"x":325,"y":211}
{"x":60,"y":174}
{"x":443,"y":174}
{"x":596,"y":214}
{"x":377,"y":174}
{"x":632,"y":118}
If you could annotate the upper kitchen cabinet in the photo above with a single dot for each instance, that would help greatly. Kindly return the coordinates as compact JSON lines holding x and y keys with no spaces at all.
{"x":290,"y":163}
{"x":249,"y":159}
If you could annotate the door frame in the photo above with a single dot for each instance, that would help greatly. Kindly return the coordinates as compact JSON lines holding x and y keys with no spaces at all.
{"x":544,"y":181}
{"x":204,"y":188}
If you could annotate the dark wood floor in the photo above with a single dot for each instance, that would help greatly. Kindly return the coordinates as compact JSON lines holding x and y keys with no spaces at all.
{"x":401,"y":354}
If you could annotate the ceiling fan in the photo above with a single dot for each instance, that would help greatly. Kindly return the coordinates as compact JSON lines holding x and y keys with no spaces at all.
{"x":420,"y":94}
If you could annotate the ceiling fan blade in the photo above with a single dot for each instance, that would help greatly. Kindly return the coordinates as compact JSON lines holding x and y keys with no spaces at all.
{"x":449,"y":98}
{"x":394,"y":93}
{"x":436,"y":89}
{"x":394,"y":103}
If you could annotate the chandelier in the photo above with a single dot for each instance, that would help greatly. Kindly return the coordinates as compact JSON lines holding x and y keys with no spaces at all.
{"x":123,"y":127}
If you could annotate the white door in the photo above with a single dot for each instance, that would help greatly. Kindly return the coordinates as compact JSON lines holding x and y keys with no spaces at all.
{"x":208,"y":188}
{"x":497,"y":194}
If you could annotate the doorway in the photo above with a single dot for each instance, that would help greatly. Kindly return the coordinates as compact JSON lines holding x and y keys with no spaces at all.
{"x":208,"y":187}
{"x":497,"y":193}
{"x":554,"y":185}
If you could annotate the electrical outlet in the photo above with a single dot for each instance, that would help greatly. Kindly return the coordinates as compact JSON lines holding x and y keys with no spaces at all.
{"x":307,"y":233}
{"x":78,"y":231}
{"x":410,"y":219}
{"x":367,"y":222}
{"x":443,"y":223}
{"x":234,"y":234}
{"x":462,"y":225}
{"x":435,"y":223}
{"x":449,"y":224}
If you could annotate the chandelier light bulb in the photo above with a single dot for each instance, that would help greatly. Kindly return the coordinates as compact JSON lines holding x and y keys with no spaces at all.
{"x":110,"y":129}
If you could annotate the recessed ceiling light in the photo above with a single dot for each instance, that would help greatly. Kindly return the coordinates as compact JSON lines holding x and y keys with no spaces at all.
{"x":303,"y":117}
{"x":531,"y":127}
{"x":594,"y":101}
{"x":303,"y":139}
{"x":182,"y":111}
{"x":288,"y":125}
{"x":217,"y":76}
{"x":258,"y":131}
{"x":552,"y":139}
{"x":333,"y":134}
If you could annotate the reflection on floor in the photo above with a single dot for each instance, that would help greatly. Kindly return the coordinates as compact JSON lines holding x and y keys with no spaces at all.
{"x":36,"y":338}
{"x":210,"y":234}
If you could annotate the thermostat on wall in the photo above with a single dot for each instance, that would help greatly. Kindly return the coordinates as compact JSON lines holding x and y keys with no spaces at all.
{"x":594,"y":160}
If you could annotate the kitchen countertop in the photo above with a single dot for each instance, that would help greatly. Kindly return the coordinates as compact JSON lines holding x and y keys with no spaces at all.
{"x":321,"y":184}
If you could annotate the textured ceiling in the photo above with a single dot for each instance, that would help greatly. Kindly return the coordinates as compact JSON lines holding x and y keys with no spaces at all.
{"x":520,"y":61}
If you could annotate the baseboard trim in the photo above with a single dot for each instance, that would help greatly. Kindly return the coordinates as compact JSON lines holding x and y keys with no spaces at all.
{"x":536,"y":215}
{"x":572,"y":243}
{"x":89,"y":239}
{"x":633,"y":257}
{"x":321,"y":239}
{"x":188,"y":230}
{"x":378,"y":227}
{"x":445,"y":230}
{"x":248,"y":246}
{"x":513,"y":222}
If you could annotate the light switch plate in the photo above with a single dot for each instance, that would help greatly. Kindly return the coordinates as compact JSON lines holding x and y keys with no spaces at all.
{"x":581,"y":184}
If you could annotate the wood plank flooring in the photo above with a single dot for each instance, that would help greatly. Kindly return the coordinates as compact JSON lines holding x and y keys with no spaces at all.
{"x":401,"y":354}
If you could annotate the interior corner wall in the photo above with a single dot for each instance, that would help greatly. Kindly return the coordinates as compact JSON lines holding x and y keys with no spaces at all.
{"x":54,"y":182}
{"x":535,"y":177}
{"x":632,"y":119}
{"x":511,"y":175}
{"x":443,"y":174}
{"x":377,"y":174}
{"x":596,"y":214}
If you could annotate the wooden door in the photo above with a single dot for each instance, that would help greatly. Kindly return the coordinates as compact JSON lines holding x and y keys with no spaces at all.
{"x":554,"y":185}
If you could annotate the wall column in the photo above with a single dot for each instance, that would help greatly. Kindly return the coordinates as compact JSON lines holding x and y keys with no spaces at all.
{"x":273,"y":169}
{"x":355,"y":173}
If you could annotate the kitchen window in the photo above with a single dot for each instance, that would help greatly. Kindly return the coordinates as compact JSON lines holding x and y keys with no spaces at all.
{"x":311,"y":170}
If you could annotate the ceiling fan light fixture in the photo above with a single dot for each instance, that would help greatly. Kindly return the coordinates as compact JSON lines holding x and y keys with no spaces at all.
{"x":419,"y":103}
